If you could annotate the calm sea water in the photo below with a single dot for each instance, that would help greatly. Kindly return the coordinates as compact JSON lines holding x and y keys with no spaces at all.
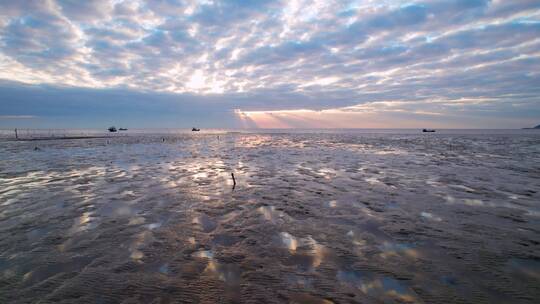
{"x":29,"y":133}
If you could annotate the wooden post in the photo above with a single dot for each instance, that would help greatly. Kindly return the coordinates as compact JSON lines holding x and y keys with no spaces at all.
{"x":234,"y":180}
{"x":16,"y":135}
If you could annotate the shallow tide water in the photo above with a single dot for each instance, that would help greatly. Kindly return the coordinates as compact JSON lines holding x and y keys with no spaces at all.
{"x":336,"y":217}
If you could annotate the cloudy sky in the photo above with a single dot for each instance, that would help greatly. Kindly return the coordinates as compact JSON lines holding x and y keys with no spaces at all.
{"x":264,"y":63}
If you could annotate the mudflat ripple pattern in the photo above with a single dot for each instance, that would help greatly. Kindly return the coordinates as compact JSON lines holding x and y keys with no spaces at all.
{"x":314,"y":218}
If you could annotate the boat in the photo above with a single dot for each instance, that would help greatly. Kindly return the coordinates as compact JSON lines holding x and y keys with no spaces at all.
{"x":112,"y":129}
{"x":428,"y":130}
{"x":195,"y":129}
{"x":123,"y":129}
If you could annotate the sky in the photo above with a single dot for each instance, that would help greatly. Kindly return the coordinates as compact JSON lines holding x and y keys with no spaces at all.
{"x":270,"y":64}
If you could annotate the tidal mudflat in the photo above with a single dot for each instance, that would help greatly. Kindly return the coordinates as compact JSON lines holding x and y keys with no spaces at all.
{"x":313,"y":218}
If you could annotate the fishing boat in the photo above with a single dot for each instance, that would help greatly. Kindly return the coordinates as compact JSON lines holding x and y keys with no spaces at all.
{"x":195,"y":129}
{"x":112,"y":129}
{"x":428,"y":130}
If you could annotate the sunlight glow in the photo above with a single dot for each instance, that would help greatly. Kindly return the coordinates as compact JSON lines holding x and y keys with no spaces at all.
{"x":197,"y":80}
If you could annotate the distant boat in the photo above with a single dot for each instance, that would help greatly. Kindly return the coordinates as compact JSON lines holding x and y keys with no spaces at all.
{"x":195,"y":129}
{"x":112,"y":129}
{"x":123,"y":129}
{"x":428,"y":130}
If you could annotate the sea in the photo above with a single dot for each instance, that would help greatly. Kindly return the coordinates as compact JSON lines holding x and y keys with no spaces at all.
{"x":270,"y":216}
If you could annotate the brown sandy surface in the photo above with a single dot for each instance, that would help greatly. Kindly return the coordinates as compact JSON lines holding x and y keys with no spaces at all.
{"x":314,"y":218}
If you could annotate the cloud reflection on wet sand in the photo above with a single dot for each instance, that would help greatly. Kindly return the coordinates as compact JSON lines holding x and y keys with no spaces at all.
{"x":317,"y":218}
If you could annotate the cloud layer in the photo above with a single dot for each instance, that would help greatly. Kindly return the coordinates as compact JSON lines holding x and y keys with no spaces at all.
{"x":440,"y":57}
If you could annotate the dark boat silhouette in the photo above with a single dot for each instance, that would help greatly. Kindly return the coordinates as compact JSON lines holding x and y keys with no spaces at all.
{"x":428,"y":130}
{"x":195,"y":129}
{"x":112,"y":129}
{"x":123,"y":129}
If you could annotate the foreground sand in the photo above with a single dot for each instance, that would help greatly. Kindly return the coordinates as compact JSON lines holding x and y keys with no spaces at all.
{"x":314,"y":218}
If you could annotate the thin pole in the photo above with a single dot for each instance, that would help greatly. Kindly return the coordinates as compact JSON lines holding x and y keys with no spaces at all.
{"x":16,"y":135}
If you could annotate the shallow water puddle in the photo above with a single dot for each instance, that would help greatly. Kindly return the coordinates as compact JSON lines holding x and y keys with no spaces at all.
{"x":37,"y":234}
{"x":83,"y":223}
{"x":205,"y":223}
{"x":231,"y":215}
{"x":164,"y":269}
{"x":379,"y":286}
{"x":270,"y":213}
{"x":289,"y":241}
{"x":225,"y":240}
{"x":228,"y":273}
{"x":398,"y":249}
{"x":305,"y":253}
{"x":154,"y":225}
{"x":299,"y":281}
{"x":525,"y":267}
{"x":430,"y":216}
{"x":41,"y":273}
{"x":207,"y":254}
{"x":332,"y":204}
{"x":118,"y":208}
{"x":371,"y":227}
{"x":138,"y":220}
{"x":302,"y":298}
{"x":141,"y":240}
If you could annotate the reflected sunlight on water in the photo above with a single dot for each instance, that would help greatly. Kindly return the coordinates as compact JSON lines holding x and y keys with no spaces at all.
{"x":318,"y":217}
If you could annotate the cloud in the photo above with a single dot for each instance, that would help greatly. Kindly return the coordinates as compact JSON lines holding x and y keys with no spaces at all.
{"x":271,"y":55}
{"x":17,"y":116}
{"x":85,"y":11}
{"x":39,"y":37}
{"x":219,"y":14}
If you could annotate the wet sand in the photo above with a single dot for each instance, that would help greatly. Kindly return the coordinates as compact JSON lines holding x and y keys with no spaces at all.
{"x":313,"y":218}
